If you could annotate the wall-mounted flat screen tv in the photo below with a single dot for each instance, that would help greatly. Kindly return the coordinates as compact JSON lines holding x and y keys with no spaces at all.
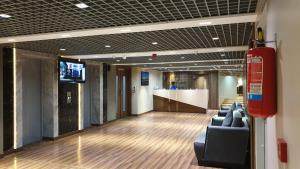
{"x":144,"y":78}
{"x":71,"y":71}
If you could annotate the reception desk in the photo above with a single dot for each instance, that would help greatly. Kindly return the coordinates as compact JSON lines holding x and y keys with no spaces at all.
{"x":192,"y":101}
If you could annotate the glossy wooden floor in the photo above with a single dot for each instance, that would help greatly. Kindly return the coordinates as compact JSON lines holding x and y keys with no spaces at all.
{"x":152,"y":140}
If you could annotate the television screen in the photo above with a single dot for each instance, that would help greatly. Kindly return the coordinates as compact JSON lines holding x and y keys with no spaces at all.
{"x":71,"y":71}
{"x":144,"y":78}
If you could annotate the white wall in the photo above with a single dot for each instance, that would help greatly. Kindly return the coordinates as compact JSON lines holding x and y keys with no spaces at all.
{"x":282,"y":17}
{"x":227,"y":87}
{"x":142,"y":98}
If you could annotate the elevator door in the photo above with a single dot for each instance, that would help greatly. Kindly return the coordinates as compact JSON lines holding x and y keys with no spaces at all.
{"x":123,"y":92}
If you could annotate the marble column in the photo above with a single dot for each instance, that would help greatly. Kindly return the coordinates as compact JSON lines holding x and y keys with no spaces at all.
{"x":49,"y":98}
{"x":95,"y":93}
{"x":18,"y":101}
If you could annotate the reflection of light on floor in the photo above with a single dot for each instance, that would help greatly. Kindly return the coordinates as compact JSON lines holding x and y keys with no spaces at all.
{"x":15,"y":163}
{"x":79,"y":150}
{"x":149,"y":141}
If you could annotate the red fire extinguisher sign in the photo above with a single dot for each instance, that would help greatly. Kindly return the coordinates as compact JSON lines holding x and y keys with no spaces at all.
{"x":255,"y":77}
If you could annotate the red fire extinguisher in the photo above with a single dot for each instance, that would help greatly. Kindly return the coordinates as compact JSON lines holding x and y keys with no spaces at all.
{"x":261,"y":80}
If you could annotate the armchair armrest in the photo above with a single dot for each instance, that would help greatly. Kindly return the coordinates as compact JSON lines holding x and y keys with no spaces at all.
{"x":217,"y":121}
{"x":226,"y":145}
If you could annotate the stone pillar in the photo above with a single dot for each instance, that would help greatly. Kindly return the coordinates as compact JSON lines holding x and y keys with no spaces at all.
{"x":95,"y":94}
{"x":18,"y":100}
{"x":49,"y":68}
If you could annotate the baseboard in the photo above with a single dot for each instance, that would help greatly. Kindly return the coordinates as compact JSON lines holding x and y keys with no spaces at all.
{"x":142,"y":113}
{"x":11,"y":151}
{"x":96,"y":125}
{"x":63,"y":135}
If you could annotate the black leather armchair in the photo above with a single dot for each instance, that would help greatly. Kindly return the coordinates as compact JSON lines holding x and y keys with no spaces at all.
{"x":220,"y":146}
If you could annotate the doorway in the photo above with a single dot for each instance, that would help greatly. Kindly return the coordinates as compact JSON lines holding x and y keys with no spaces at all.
{"x":123,"y":91}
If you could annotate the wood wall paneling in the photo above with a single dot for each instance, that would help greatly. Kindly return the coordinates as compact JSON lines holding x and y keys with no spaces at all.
{"x":213,"y":83}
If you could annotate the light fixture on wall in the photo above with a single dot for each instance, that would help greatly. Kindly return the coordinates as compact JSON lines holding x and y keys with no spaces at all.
{"x":154,"y":43}
{"x":15,"y":97}
{"x":215,"y":38}
{"x":107,"y":46}
{"x":79,"y":108}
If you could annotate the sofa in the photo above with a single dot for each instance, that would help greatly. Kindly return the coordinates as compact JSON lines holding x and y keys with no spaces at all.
{"x":225,"y":143}
{"x":222,"y":112}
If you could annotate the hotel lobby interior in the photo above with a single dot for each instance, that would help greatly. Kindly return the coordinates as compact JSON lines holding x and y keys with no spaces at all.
{"x":144,"y":84}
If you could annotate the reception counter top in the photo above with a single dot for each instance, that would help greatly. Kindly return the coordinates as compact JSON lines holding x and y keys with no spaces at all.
{"x":181,"y":100}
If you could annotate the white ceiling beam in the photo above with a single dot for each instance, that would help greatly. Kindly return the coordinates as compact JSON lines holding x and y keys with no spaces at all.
{"x":165,"y":63}
{"x":236,"y":70}
{"x":201,"y":66}
{"x":160,"y":53}
{"x":188,"y":23}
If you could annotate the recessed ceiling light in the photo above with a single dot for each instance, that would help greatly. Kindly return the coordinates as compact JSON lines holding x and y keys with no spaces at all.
{"x":11,"y":40}
{"x":215,"y":38}
{"x":107,"y":46}
{"x":182,"y":57}
{"x":82,"y":5}
{"x":205,"y":23}
{"x":126,"y":30}
{"x":154,"y":43}
{"x":65,"y":35}
{"x":4,"y":16}
{"x":118,"y":60}
{"x":62,"y":49}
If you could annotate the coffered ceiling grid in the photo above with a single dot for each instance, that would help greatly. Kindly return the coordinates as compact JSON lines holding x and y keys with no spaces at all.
{"x":44,"y":16}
